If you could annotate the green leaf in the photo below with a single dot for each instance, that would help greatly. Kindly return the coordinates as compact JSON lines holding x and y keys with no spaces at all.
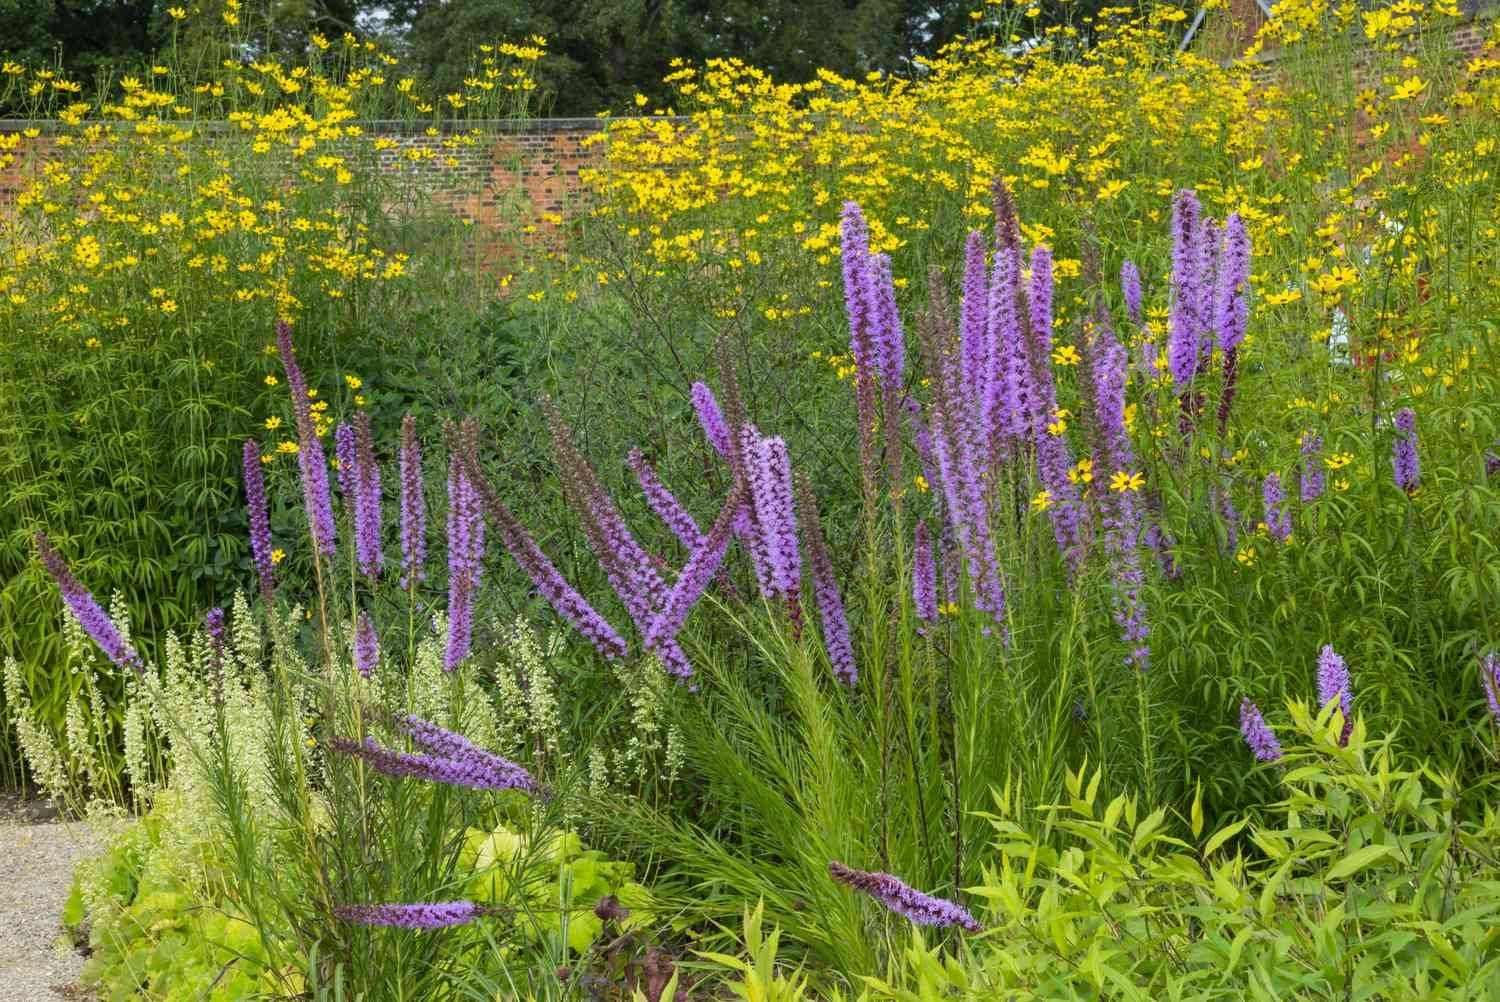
{"x":1223,"y":835}
{"x":1358,"y":860}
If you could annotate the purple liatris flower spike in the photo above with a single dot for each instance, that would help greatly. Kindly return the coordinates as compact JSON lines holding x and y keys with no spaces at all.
{"x":924,"y":576}
{"x":451,"y":745}
{"x":1404,"y":459}
{"x":1232,"y":285}
{"x":887,"y":338}
{"x":367,"y":499}
{"x":629,"y":568}
{"x":826,"y":589}
{"x":1230,"y":514}
{"x":1333,"y":683}
{"x":1491,"y":463}
{"x":366,"y":647}
{"x":1310,"y":476}
{"x":1278,"y":519}
{"x":310,"y":457}
{"x":1008,"y":392}
{"x":343,"y":458}
{"x":854,"y":255}
{"x":769,"y":473}
{"x":1258,"y":734}
{"x":1187,"y":289}
{"x":923,"y":909}
{"x":431,"y":915}
{"x":702,"y":564}
{"x":665,"y":503}
{"x":1130,"y":285}
{"x":90,"y":615}
{"x":260,"y":517}
{"x":465,"y":549}
{"x":472,"y":771}
{"x":213,"y":622}
{"x":1489,"y":675}
{"x":1039,"y":297}
{"x":524,"y":550}
{"x":715,"y":428}
{"x":957,"y":459}
{"x":413,"y":508}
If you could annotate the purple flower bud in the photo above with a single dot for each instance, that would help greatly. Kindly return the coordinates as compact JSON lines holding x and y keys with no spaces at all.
{"x":715,"y":428}
{"x":1404,"y":459}
{"x":924,"y":576}
{"x":367,"y":499}
{"x":1310,"y":476}
{"x":1333,"y":683}
{"x":1278,"y":519}
{"x":826,"y":589}
{"x":90,"y":615}
{"x":1258,"y":735}
{"x":213,"y":623}
{"x":923,"y":909}
{"x":260,"y":517}
{"x":366,"y":647}
{"x":1130,"y":285}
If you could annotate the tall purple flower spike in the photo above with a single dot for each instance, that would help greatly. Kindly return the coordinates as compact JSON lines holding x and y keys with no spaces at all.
{"x":1278,"y":519}
{"x":89,"y":613}
{"x":425,"y":915}
{"x":310,"y":458}
{"x":1188,"y":281}
{"x":911,"y":904}
{"x":366,"y":647}
{"x":465,"y":551}
{"x":1404,"y":459}
{"x":260,"y":517}
{"x":366,"y":499}
{"x":543,"y":573}
{"x":1258,"y":735}
{"x":1311,"y":479}
{"x":471,"y":771}
{"x":1333,"y":682}
{"x":1489,"y":675}
{"x":924,"y":576}
{"x":836,"y":639}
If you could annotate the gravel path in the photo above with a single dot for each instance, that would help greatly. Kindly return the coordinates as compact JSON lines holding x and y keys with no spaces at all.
{"x":37,"y":856}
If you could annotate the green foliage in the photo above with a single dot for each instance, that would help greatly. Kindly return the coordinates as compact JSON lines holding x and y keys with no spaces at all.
{"x":1365,"y":882}
{"x":758,"y":977}
{"x":148,"y":931}
{"x":555,"y":885}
